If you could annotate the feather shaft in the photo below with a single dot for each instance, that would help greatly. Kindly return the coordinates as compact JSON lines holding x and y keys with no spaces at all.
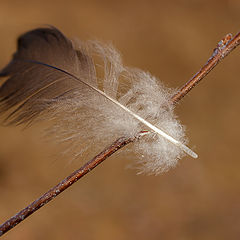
{"x":186,"y":149}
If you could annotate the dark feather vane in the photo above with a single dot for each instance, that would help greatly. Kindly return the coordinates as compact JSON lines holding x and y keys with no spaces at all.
{"x":38,"y":72}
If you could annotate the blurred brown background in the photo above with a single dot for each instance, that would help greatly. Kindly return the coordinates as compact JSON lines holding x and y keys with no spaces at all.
{"x":200,"y":199}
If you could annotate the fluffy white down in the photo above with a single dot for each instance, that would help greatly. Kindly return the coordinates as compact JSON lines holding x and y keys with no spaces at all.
{"x":87,"y":120}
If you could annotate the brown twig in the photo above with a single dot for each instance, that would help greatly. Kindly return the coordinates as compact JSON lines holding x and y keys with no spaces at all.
{"x":64,"y":184}
{"x":224,"y":47}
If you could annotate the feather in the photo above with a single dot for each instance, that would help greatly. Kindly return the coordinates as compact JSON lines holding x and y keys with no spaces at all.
{"x":91,"y":96}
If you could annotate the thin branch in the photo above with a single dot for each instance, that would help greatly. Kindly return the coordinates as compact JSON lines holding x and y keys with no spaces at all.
{"x":64,"y":184}
{"x":224,"y":47}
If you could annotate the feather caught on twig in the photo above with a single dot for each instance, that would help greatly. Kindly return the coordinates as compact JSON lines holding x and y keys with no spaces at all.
{"x":52,"y":77}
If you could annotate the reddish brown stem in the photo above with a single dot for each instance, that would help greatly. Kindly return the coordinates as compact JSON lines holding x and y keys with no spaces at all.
{"x":224,"y":47}
{"x":64,"y":184}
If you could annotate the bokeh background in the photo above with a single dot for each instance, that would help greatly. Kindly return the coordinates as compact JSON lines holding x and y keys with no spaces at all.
{"x":199,"y":199}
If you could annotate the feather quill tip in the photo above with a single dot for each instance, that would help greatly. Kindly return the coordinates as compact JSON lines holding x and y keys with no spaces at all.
{"x":187,"y":150}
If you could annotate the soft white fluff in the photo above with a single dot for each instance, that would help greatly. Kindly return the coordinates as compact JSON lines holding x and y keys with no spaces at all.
{"x":89,"y":120}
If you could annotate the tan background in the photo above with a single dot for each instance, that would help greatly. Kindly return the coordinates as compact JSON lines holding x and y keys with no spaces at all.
{"x":200,"y":199}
